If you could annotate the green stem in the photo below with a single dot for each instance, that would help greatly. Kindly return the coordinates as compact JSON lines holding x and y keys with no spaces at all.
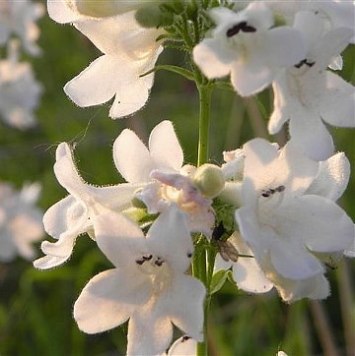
{"x":201,"y":265}
{"x":205,"y":91}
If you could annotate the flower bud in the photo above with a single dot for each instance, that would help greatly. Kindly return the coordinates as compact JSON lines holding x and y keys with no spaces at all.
{"x":152,"y":16}
{"x":209,"y":179}
{"x":104,"y":8}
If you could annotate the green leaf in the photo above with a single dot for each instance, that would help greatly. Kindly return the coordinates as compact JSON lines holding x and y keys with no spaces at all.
{"x":218,"y":280}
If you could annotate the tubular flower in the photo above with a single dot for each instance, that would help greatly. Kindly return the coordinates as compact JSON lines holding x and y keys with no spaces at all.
{"x":287,"y":220}
{"x":308,"y":94}
{"x":73,"y":215}
{"x":129,"y":51}
{"x":160,"y":172}
{"x":148,"y":285}
{"x":245,"y":45}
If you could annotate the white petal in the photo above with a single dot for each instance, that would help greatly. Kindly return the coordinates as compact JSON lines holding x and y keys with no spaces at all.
{"x":350,"y":251}
{"x":162,"y":137}
{"x":97,"y":83}
{"x":321,"y":224}
{"x":316,"y":287}
{"x":183,"y":303}
{"x":132,"y":158}
{"x":281,"y":47}
{"x":248,"y":79}
{"x":309,"y":133}
{"x":149,"y":333}
{"x":246,"y":271}
{"x":331,"y":45}
{"x":169,"y":238}
{"x":59,"y":11}
{"x":332,"y":178}
{"x":56,"y":253}
{"x":119,"y":238}
{"x":109,"y":299}
{"x":293,"y":261}
{"x":67,"y":216}
{"x":337,"y":106}
{"x":213,"y":58}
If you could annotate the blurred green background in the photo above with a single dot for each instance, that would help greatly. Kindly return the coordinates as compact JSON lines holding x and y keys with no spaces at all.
{"x":36,"y":306}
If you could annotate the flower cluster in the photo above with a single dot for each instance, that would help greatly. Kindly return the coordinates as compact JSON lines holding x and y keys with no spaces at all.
{"x":19,"y":91}
{"x":268,"y":213}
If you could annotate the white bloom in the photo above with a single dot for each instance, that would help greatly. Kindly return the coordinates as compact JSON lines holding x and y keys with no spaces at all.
{"x":129,"y":51}
{"x":18,"y":18}
{"x":308,"y":94}
{"x":19,"y":92}
{"x":160,"y":170}
{"x":148,"y":286}
{"x":286,"y":224}
{"x":73,"y":215}
{"x":20,"y":221}
{"x":245,"y":45}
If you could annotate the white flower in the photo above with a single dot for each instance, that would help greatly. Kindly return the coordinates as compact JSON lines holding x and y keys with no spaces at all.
{"x":20,"y":221}
{"x":19,"y":92}
{"x":148,"y":286}
{"x":288,"y":217}
{"x":73,"y":215}
{"x":244,"y":45}
{"x":308,"y":94}
{"x":160,"y":171}
{"x":129,"y":51}
{"x":18,"y":18}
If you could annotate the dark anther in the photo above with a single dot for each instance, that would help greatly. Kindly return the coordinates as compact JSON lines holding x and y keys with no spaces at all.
{"x":140,"y":262}
{"x":280,"y":188}
{"x":158,"y":262}
{"x":189,"y":254}
{"x":271,"y":191}
{"x":185,"y":338}
{"x":242,"y":26}
{"x":147,"y":257}
{"x":304,"y":62}
{"x":218,"y":231}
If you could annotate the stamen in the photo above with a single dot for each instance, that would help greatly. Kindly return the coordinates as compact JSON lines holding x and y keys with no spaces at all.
{"x":304,"y":62}
{"x":271,"y":191}
{"x":185,"y":338}
{"x":242,"y":26}
{"x":159,"y":262}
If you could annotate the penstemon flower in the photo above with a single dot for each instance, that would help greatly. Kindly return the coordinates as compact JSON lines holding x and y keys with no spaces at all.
{"x":308,"y":94}
{"x":245,"y":45}
{"x":129,"y":51}
{"x":20,"y":221}
{"x":162,"y":175}
{"x":72,"y":216}
{"x":286,"y":220}
{"x":148,"y":285}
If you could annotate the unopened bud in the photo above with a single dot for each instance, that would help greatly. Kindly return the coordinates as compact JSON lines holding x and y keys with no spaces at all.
{"x":209,"y":179}
{"x":105,"y":8}
{"x":152,"y":16}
